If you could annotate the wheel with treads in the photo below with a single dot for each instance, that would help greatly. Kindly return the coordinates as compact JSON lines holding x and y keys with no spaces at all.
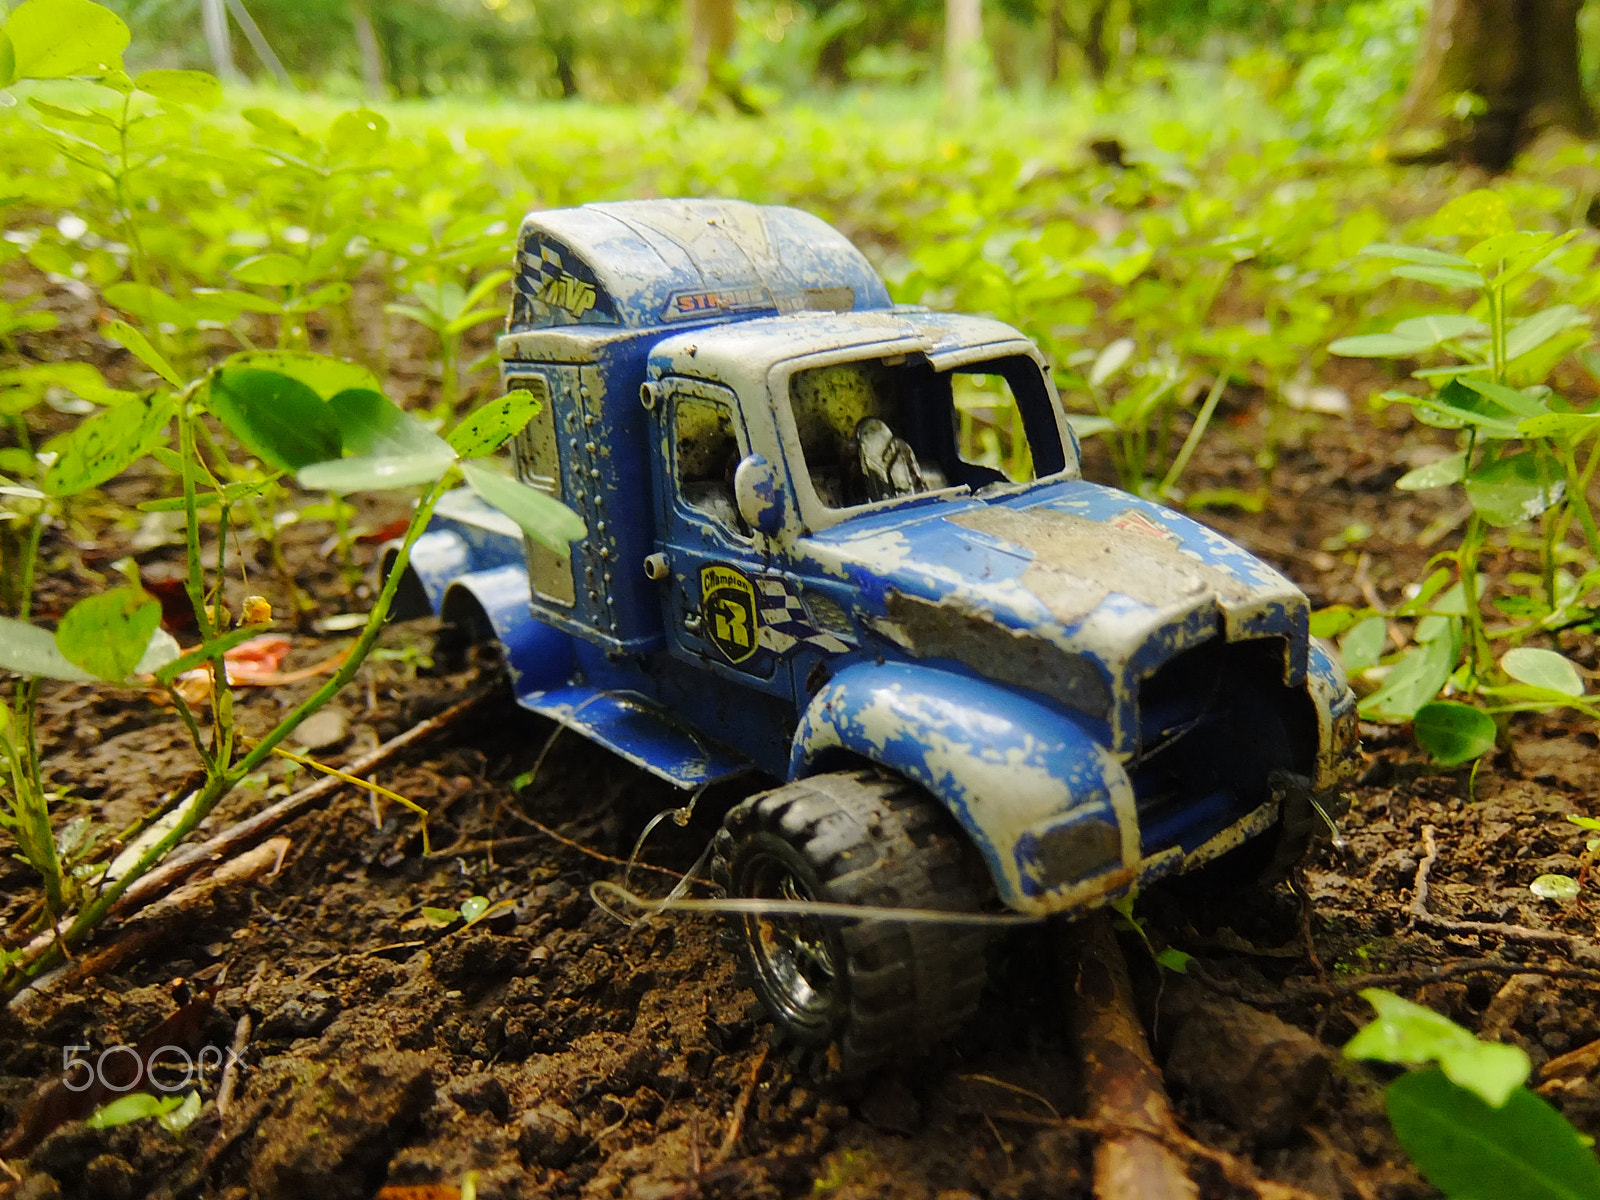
{"x":852,"y":995}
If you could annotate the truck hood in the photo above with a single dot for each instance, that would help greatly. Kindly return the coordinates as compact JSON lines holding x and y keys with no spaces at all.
{"x":1073,"y":589}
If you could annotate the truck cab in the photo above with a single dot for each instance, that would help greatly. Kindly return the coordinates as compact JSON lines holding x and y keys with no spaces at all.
{"x":1002,"y":684}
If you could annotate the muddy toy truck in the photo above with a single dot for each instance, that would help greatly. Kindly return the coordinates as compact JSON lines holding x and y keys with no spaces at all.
{"x":974,"y":688}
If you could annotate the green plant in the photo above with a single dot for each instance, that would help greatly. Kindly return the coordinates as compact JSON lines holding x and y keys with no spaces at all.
{"x":1522,"y":462}
{"x":325,"y":420}
{"x":1466,"y":1119}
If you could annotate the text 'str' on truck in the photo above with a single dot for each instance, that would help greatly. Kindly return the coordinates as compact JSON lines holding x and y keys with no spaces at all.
{"x":976,"y":683}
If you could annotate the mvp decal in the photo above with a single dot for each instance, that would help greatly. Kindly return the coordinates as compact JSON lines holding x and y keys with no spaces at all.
{"x":728,"y":612}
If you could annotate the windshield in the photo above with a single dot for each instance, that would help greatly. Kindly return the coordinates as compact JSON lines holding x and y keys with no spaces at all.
{"x":883,"y":429}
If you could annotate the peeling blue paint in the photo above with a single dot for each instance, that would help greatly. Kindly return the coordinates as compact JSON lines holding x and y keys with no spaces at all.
{"x":998,"y":647}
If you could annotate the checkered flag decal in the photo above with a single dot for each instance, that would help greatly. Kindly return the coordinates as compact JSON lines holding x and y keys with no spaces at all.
{"x":538,"y":270}
{"x":783,"y":623}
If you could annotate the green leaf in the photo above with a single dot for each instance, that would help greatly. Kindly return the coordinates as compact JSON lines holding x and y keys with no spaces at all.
{"x":1410,"y":1034}
{"x":1330,"y":622}
{"x":1472,"y":1151}
{"x":1506,"y":245}
{"x":374,"y":473}
{"x":269,"y":270}
{"x":1453,"y":733}
{"x":440,"y":916}
{"x":1569,"y":427}
{"x":8,"y":60}
{"x":1174,"y":960}
{"x":1461,"y":404}
{"x":484,"y":431}
{"x":1515,"y":489}
{"x":1528,"y":335}
{"x":1563,"y":889}
{"x":151,"y":304}
{"x":324,"y":375}
{"x":107,"y":634}
{"x":360,"y":131}
{"x":1414,"y":680}
{"x":52,"y":39}
{"x":135,"y":1106}
{"x":372,"y":424}
{"x":1417,"y":254}
{"x":182,"y":1117}
{"x":1380,"y":345}
{"x":474,"y":907}
{"x":139,"y":346}
{"x":1450,"y":277}
{"x":1522,"y":404}
{"x":1435,"y":474}
{"x":76,"y":116}
{"x":193,"y":88}
{"x":28,"y":650}
{"x":1363,"y":645}
{"x":1480,"y":213}
{"x":106,"y":444}
{"x":1440,"y":327}
{"x":279,"y":419}
{"x":389,"y":447}
{"x":1543,"y":669}
{"x":543,"y":518}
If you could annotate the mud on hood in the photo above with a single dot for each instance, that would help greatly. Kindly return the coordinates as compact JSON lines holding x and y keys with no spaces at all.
{"x":1075,"y":590}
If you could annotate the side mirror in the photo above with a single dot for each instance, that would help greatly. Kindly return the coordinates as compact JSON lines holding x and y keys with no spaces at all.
{"x":758,"y":495}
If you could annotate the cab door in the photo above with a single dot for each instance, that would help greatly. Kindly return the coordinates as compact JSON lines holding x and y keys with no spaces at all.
{"x":717,"y":587}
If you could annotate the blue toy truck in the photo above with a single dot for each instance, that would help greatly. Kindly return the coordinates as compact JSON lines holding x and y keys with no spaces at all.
{"x":976,"y":688}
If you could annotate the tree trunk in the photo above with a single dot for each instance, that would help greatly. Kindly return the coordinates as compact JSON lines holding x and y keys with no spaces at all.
{"x":712,"y":25}
{"x":1518,"y":57}
{"x":1052,"y":49}
{"x":214,"y":17}
{"x":371,"y":56}
{"x":963,"y":48}
{"x":1094,"y":41}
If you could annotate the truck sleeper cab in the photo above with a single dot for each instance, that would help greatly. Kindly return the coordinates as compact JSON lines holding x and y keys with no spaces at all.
{"x":983,"y":678}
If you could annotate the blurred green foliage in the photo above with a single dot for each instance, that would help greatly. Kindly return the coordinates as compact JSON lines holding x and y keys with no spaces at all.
{"x":621,"y":50}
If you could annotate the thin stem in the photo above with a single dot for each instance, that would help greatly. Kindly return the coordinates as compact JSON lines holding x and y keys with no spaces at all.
{"x":227,"y":778}
{"x":1192,"y":442}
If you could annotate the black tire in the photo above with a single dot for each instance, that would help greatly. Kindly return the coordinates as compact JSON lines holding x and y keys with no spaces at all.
{"x":851,"y":996}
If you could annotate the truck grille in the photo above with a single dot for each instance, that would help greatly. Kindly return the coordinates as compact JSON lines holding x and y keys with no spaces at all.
{"x":1214,"y":722}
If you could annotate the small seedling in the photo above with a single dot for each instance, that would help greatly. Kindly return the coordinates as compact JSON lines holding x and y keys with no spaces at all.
{"x":1464,"y":1117}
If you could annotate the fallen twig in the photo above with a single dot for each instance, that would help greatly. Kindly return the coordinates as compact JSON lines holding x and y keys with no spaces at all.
{"x":1420,"y":914}
{"x":230,"y":1072}
{"x":740,"y":1108}
{"x":1126,"y":1098}
{"x":185,"y":862}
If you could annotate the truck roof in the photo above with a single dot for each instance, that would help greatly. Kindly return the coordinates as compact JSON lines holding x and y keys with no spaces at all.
{"x":748,"y":349}
{"x":643,"y":264}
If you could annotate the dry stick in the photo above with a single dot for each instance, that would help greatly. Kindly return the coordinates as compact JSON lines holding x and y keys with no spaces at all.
{"x":154,"y":921}
{"x":185,"y":862}
{"x":1126,"y":1097}
{"x":230,"y":1073}
{"x":1418,"y":910}
{"x":740,"y":1108}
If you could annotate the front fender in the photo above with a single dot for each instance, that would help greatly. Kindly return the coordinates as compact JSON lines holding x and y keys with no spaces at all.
{"x":1050,"y":809}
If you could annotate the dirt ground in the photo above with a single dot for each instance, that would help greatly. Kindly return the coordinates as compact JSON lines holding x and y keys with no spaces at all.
{"x":556,"y":1051}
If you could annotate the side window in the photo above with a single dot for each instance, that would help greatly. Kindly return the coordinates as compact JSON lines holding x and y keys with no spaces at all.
{"x":536,"y":460}
{"x":705,"y":456}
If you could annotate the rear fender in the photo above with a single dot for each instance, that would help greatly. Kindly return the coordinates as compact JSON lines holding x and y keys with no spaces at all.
{"x":1049,"y":808}
{"x":495,"y":603}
